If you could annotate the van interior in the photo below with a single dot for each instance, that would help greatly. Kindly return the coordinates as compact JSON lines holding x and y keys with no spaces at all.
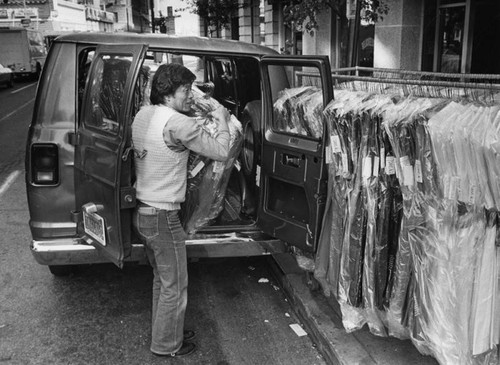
{"x":217,"y":78}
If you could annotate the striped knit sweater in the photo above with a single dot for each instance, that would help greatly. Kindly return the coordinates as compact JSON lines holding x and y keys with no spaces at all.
{"x":161,"y":171}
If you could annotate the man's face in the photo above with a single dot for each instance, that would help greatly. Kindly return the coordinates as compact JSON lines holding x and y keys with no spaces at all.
{"x":182,"y":99}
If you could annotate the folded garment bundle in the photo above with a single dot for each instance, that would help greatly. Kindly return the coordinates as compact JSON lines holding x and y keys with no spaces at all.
{"x":208,"y":179}
{"x":299,"y":110}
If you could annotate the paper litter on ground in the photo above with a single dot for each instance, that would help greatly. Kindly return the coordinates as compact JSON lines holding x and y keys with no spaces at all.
{"x":298,"y":330}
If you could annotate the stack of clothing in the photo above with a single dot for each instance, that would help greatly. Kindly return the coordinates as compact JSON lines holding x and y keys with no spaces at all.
{"x":208,"y":179}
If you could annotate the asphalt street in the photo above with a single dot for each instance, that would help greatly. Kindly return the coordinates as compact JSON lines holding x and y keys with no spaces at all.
{"x":101,"y":314}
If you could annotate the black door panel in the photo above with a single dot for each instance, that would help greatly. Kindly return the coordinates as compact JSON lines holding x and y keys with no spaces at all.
{"x":293,"y":174}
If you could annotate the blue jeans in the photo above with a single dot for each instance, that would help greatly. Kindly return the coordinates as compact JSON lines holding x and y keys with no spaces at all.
{"x":165,"y":242}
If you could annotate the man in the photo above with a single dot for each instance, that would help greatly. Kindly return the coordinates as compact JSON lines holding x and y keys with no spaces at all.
{"x":163,"y":135}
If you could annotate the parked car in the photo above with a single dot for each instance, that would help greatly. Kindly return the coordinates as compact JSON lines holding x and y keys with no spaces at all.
{"x":6,"y":76}
{"x":79,"y":173}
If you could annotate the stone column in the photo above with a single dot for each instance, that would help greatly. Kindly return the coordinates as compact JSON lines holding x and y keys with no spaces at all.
{"x":249,"y":22}
{"x":398,"y":36}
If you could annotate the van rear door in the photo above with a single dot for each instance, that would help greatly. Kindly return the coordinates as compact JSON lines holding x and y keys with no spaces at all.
{"x":103,"y":186}
{"x":293,"y":174}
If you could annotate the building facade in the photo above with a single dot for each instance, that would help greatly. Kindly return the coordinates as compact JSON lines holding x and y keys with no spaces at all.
{"x":59,"y":16}
{"x":455,"y":36}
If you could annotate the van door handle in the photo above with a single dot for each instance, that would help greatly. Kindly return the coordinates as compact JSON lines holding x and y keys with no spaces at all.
{"x":290,"y":160}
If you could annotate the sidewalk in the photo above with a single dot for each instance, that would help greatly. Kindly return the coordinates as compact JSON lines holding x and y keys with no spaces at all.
{"x":322,"y":320}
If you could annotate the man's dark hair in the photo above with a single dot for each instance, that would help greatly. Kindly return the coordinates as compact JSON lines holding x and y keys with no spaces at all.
{"x":167,"y":79}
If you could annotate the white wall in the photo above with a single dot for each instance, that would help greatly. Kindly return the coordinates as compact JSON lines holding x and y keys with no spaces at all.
{"x":70,"y":16}
{"x":186,"y":24}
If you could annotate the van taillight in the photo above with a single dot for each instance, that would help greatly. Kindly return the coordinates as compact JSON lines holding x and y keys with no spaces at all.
{"x":44,"y":164}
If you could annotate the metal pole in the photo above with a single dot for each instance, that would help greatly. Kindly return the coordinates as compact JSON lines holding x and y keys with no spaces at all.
{"x":128,"y":25}
{"x":152,"y":6}
{"x":357,"y":24}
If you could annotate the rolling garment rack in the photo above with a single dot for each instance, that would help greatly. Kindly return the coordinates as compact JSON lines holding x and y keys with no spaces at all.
{"x":410,"y":244}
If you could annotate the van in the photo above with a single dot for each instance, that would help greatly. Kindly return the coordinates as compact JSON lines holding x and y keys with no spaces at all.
{"x":80,"y":176}
{"x":23,"y":51}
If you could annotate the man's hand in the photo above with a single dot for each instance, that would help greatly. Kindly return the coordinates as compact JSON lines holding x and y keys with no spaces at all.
{"x":221,"y":114}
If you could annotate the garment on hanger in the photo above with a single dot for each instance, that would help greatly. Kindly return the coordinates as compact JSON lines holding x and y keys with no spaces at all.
{"x":410,"y":239}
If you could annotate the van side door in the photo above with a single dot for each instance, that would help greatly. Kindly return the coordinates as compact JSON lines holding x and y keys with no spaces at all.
{"x":293,"y":173}
{"x":103,"y":181}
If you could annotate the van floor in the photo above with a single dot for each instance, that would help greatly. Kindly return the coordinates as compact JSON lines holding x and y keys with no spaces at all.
{"x":231,"y":214}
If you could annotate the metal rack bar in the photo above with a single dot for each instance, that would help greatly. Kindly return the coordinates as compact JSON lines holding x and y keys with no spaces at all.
{"x":420,"y":74}
{"x":452,"y":84}
{"x":478,"y":87}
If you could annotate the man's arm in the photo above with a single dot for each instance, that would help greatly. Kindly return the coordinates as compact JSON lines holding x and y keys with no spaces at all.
{"x":186,"y":131}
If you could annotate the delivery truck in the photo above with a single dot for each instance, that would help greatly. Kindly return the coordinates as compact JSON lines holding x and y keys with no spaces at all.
{"x":23,"y":51}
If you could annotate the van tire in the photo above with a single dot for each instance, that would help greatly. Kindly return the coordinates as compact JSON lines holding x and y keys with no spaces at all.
{"x":61,"y":270}
{"x":250,"y":157}
{"x":250,"y":151}
{"x":10,"y":84}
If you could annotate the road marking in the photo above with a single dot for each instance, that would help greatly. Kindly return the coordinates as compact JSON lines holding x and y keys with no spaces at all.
{"x":15,"y":111}
{"x":16,"y":91}
{"x":10,"y":180}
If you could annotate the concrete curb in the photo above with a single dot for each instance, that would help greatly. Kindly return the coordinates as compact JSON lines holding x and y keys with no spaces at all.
{"x":321,"y":318}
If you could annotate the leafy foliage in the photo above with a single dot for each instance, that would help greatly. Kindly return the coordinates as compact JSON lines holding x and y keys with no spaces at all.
{"x":301,"y":14}
{"x":162,"y":23}
{"x":216,"y":13}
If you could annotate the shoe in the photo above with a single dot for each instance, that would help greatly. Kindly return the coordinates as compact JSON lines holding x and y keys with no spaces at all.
{"x":189,"y":335}
{"x":186,"y":349}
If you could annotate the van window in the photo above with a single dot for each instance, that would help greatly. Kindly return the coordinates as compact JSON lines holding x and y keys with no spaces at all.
{"x":106,"y":92}
{"x":58,"y":105}
{"x":194,"y":63}
{"x":154,"y":59}
{"x":297,"y":108}
{"x":222,"y":74}
{"x":85,"y":58}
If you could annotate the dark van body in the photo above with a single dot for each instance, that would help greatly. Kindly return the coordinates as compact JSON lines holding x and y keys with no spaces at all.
{"x":79,"y":173}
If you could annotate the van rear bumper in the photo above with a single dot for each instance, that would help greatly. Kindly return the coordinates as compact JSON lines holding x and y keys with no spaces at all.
{"x":70,"y":251}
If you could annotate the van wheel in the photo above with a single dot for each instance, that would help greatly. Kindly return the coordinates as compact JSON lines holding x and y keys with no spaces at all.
{"x":250,"y":155}
{"x":11,"y":82}
{"x":251,"y":141}
{"x":61,"y":270}
{"x":248,"y":149}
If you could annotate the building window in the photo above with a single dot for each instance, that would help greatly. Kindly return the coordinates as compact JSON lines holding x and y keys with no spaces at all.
{"x":461,"y":36}
{"x":450,"y":38}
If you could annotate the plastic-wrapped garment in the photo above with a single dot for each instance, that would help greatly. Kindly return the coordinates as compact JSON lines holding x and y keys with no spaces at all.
{"x":458,"y":263}
{"x":289,"y":113}
{"x":402,"y":144}
{"x":484,"y":141}
{"x":401,"y":124}
{"x":355,"y":231}
{"x":312,"y":106}
{"x":388,"y":223}
{"x":208,"y":179}
{"x":485,"y":305}
{"x":467,"y":166}
{"x":372,"y":261}
{"x":326,"y":271}
{"x":345,"y":262}
{"x":426,"y":196}
{"x":445,"y":266}
{"x":329,"y":251}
